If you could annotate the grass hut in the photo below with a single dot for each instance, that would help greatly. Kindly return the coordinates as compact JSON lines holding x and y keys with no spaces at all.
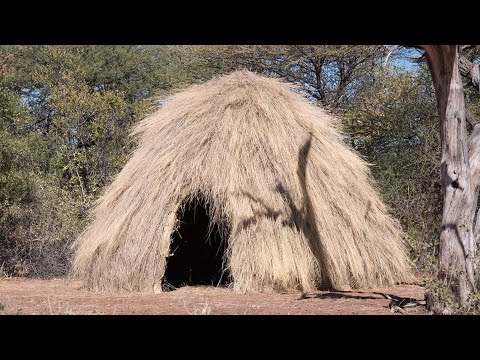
{"x":241,"y":181}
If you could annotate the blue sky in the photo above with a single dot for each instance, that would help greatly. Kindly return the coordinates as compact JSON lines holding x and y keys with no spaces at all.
{"x":401,"y":58}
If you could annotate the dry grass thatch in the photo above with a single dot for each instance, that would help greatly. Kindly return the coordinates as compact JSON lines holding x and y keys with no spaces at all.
{"x":302,"y":207}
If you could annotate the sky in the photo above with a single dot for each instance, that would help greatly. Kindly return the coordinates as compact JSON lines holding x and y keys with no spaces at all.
{"x":402,"y":58}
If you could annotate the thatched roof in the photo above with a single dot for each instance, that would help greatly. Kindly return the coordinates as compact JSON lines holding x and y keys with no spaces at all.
{"x":301,"y":207}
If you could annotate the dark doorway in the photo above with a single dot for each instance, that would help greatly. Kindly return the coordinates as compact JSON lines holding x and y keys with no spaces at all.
{"x":198,"y":250}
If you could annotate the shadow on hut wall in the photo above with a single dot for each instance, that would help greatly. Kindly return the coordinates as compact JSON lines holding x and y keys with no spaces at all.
{"x":302,"y":219}
{"x":197,"y":249}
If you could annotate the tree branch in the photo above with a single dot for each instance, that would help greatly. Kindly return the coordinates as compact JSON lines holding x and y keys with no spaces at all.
{"x":394,"y":47}
{"x":421,"y":59}
{"x":472,"y":120}
{"x":470,"y":70}
{"x":474,"y":156}
{"x":465,"y":47}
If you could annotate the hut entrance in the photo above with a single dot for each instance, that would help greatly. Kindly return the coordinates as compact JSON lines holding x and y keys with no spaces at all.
{"x":198,"y":250}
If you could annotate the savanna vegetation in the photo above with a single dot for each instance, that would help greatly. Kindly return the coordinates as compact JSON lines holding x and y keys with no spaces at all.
{"x":66,"y":113}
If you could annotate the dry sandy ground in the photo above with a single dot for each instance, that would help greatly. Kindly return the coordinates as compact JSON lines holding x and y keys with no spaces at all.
{"x":61,"y":296}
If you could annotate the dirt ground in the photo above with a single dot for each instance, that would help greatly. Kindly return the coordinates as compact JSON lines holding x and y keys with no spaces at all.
{"x":61,"y":296}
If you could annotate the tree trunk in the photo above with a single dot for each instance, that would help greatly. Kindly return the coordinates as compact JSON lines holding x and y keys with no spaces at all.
{"x":456,"y":261}
{"x":474,"y":161}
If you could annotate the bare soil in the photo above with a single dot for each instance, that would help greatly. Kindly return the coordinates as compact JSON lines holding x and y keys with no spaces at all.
{"x":61,"y":296}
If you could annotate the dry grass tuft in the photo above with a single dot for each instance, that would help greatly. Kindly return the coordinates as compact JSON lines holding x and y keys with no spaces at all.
{"x":301,"y":206}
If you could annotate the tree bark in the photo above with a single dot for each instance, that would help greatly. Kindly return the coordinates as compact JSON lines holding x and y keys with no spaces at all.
{"x":470,"y":70}
{"x":456,"y":261}
{"x":474,"y":160}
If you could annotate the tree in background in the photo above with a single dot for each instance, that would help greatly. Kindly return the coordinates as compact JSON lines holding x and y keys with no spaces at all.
{"x":15,"y":184}
{"x":392,"y":122}
{"x":330,"y":74}
{"x":66,"y":114}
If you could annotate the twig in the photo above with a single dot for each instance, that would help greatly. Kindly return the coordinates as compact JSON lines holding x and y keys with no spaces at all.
{"x":396,"y":308}
{"x":394,"y":47}
{"x":398,"y":304}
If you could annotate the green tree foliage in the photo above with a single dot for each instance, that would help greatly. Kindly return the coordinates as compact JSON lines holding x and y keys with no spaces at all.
{"x":330,"y":74}
{"x":16,"y":163}
{"x":65,"y":116}
{"x":393,"y":123}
